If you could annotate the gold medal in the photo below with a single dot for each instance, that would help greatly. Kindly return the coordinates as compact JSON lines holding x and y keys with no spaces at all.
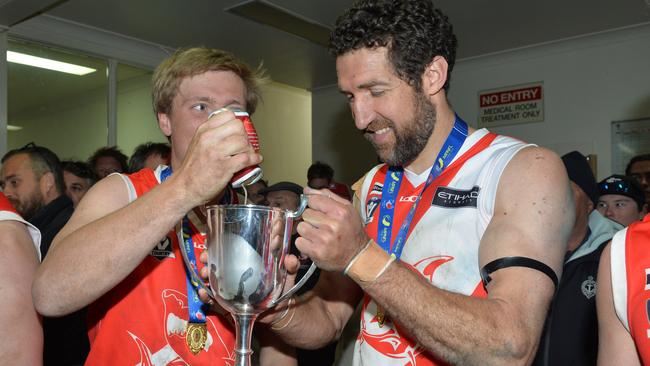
{"x":381,"y":316}
{"x":196,"y":335}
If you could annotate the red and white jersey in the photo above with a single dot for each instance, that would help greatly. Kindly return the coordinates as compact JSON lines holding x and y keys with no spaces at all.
{"x":143,"y":320}
{"x":8,"y":212}
{"x":630,"y":265}
{"x":444,"y":236}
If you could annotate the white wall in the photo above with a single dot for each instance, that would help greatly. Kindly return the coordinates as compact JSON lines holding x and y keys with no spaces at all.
{"x":136,"y":122}
{"x":588,"y":83}
{"x":72,"y":128}
{"x":335,"y":140}
{"x":283,"y":124}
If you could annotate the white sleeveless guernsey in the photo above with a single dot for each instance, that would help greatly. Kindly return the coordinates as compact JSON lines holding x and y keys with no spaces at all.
{"x":444,"y":239}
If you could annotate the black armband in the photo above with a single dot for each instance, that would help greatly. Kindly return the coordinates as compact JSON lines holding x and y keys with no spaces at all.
{"x":505,"y":262}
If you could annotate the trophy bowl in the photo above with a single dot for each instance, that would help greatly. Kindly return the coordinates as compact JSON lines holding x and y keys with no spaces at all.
{"x":247,"y":245}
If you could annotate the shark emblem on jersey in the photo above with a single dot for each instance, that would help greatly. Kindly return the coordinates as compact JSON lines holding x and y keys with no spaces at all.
{"x":175,"y":304}
{"x":390,"y":341}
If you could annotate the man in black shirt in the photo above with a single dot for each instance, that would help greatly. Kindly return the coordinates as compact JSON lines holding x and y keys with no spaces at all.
{"x":32,"y":179}
{"x":570,"y":335}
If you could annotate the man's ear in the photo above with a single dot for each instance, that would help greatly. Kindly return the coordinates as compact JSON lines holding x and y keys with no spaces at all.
{"x":164,"y":124}
{"x":47,"y":184}
{"x":435,"y":76}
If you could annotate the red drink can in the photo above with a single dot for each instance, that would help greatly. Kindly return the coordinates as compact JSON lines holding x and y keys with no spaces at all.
{"x":253,"y":173}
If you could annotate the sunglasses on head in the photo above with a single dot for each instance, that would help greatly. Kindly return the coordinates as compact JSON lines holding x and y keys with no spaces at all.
{"x":615,"y":187}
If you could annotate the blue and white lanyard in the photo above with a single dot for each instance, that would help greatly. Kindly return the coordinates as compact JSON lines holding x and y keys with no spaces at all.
{"x":197,"y":308}
{"x":392,"y":184}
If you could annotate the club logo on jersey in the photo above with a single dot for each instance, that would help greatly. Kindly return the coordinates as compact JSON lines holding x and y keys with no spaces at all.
{"x":455,"y":198}
{"x":588,"y":287}
{"x":647,"y":279}
{"x":163,"y":249}
{"x":371,"y":207}
{"x":376,"y":190}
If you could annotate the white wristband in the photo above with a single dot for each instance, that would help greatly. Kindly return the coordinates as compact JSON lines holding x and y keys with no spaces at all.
{"x":354,"y":259}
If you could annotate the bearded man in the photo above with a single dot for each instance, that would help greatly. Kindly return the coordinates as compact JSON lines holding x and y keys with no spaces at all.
{"x":457,"y":243}
{"x":32,"y":179}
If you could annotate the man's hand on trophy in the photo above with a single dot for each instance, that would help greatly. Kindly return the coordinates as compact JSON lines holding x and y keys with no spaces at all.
{"x":331,"y":232}
{"x":279,"y":312}
{"x":204,"y":273}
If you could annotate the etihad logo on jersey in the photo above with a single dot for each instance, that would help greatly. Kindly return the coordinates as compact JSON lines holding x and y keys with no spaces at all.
{"x":455,"y":198}
{"x":163,"y":249}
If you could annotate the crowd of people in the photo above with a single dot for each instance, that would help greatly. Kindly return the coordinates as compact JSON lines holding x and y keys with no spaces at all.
{"x":462,"y":247}
{"x":45,"y":191}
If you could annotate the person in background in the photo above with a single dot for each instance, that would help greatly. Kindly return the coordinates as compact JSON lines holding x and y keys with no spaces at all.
{"x":621,"y":199}
{"x":32,"y":179}
{"x":149,"y":155}
{"x":286,"y":196}
{"x":21,"y":334}
{"x":78,"y":178}
{"x":321,"y":175}
{"x":570,"y":335}
{"x":639,"y":169}
{"x":107,"y":160}
{"x":253,"y":193}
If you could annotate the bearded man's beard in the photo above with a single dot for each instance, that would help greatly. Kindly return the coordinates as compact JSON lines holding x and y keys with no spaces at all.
{"x":411,"y":140}
{"x":28,"y":208}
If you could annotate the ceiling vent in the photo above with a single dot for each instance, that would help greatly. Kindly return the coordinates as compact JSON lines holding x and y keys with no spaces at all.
{"x":266,"y":13}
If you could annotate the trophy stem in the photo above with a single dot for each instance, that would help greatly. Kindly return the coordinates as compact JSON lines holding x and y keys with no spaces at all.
{"x":244,"y":326}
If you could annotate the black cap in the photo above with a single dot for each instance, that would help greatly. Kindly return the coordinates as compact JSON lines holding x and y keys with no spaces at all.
{"x":283,"y":186}
{"x":623,"y":185}
{"x":580,"y":173}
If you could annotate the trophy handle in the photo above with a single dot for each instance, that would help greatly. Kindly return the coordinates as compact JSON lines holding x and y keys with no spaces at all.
{"x":301,"y":208}
{"x":312,"y":268}
{"x":191,"y":270}
{"x":295,"y":287}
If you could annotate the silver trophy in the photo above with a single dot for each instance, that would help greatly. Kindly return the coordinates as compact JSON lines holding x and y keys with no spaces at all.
{"x":247,"y":246}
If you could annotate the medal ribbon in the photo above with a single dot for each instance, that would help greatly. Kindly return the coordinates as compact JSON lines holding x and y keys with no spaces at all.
{"x":393,"y":181}
{"x":196,"y":310}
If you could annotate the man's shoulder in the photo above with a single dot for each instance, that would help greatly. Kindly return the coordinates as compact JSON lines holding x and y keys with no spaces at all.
{"x":143,"y":180}
{"x":536,"y":166}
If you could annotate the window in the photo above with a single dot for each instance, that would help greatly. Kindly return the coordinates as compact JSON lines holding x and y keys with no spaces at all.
{"x":64,"y":112}
{"x":136,"y":122}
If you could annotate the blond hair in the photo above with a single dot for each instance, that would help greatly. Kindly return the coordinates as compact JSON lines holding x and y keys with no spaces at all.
{"x":197,"y":60}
